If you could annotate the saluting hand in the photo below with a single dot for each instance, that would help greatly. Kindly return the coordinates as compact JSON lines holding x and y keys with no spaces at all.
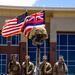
{"x":28,"y":73}
{"x":45,"y":72}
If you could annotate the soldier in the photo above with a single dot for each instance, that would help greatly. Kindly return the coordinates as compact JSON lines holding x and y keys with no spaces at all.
{"x":14,"y":67}
{"x":45,"y":67}
{"x":60,"y":67}
{"x":28,"y":67}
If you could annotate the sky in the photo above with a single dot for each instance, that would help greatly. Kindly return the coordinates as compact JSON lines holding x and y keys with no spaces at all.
{"x":39,"y":3}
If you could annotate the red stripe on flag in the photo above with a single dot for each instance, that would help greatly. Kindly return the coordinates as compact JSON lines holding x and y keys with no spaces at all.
{"x":7,"y":35}
{"x":12,"y":28}
{"x":28,"y":30}
{"x":11,"y":20}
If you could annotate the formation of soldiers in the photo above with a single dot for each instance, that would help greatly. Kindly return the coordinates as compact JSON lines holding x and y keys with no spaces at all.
{"x":14,"y":67}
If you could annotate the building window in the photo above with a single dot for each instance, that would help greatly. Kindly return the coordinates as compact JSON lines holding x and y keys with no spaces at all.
{"x":66,"y":47}
{"x":3,"y":64}
{"x":3,"y":40}
{"x":32,"y":51}
{"x":15,"y":40}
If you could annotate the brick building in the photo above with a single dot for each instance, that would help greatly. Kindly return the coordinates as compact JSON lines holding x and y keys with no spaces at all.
{"x":60,"y":25}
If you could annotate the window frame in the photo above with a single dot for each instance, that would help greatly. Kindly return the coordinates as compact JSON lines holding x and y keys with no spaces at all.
{"x":16,"y":41}
{"x":2,"y":40}
{"x":68,"y":61}
{"x":3,"y":64}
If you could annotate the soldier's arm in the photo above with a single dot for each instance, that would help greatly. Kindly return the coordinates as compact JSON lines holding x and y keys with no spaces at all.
{"x":50,"y":68}
{"x":9,"y":67}
{"x":23,"y":65}
{"x":66,"y":68}
{"x":19,"y":67}
{"x":32,"y":65}
{"x":55,"y":70}
{"x":41,"y":65}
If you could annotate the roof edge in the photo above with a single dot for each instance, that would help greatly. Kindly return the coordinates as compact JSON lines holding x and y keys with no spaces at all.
{"x":38,"y":8}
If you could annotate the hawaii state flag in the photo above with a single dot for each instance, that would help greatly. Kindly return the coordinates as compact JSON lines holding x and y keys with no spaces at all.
{"x":13,"y":26}
{"x":36,"y":19}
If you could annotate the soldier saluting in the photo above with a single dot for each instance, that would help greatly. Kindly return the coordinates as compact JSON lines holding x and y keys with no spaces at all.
{"x":45,"y":67}
{"x":14,"y":67}
{"x":28,"y":67}
{"x":60,"y":67}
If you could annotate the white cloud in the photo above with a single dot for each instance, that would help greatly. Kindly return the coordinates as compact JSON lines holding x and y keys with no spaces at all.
{"x":18,"y":2}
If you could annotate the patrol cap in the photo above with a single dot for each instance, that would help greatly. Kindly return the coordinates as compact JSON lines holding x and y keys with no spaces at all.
{"x":14,"y":55}
{"x":44,"y":57}
{"x":27,"y":56}
{"x":61,"y":57}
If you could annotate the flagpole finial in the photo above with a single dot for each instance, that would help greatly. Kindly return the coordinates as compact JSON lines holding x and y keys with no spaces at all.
{"x":26,"y":10}
{"x":43,"y":7}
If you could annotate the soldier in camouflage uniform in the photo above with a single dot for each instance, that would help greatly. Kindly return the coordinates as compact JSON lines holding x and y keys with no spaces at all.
{"x":60,"y":67}
{"x":28,"y":67}
{"x":14,"y":67}
{"x":45,"y":67}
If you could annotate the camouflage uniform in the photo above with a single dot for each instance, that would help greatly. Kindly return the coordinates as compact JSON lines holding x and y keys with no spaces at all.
{"x":47,"y":67}
{"x":14,"y":68}
{"x":60,"y":69}
{"x":29,"y":68}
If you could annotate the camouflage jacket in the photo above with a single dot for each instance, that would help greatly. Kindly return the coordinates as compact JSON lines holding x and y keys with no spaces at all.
{"x":14,"y":68}
{"x":29,"y":68}
{"x":59,"y":69}
{"x":45,"y":67}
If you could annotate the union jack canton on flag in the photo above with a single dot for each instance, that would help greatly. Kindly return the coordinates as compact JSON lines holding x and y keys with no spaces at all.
{"x":36,"y":19}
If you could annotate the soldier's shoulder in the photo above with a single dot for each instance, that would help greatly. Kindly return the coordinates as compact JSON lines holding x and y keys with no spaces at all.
{"x":41,"y":63}
{"x":64,"y":63}
{"x":30,"y":63}
{"x":23,"y":63}
{"x":48,"y":63}
{"x":56,"y":63}
{"x":17,"y":63}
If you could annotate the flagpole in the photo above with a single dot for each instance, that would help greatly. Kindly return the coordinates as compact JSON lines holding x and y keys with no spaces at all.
{"x":26,"y":46}
{"x":44,"y":47}
{"x":44,"y":40}
{"x":26,"y":55}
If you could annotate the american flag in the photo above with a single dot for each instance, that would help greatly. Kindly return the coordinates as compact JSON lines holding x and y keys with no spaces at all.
{"x":36,"y":19}
{"x":13,"y":26}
